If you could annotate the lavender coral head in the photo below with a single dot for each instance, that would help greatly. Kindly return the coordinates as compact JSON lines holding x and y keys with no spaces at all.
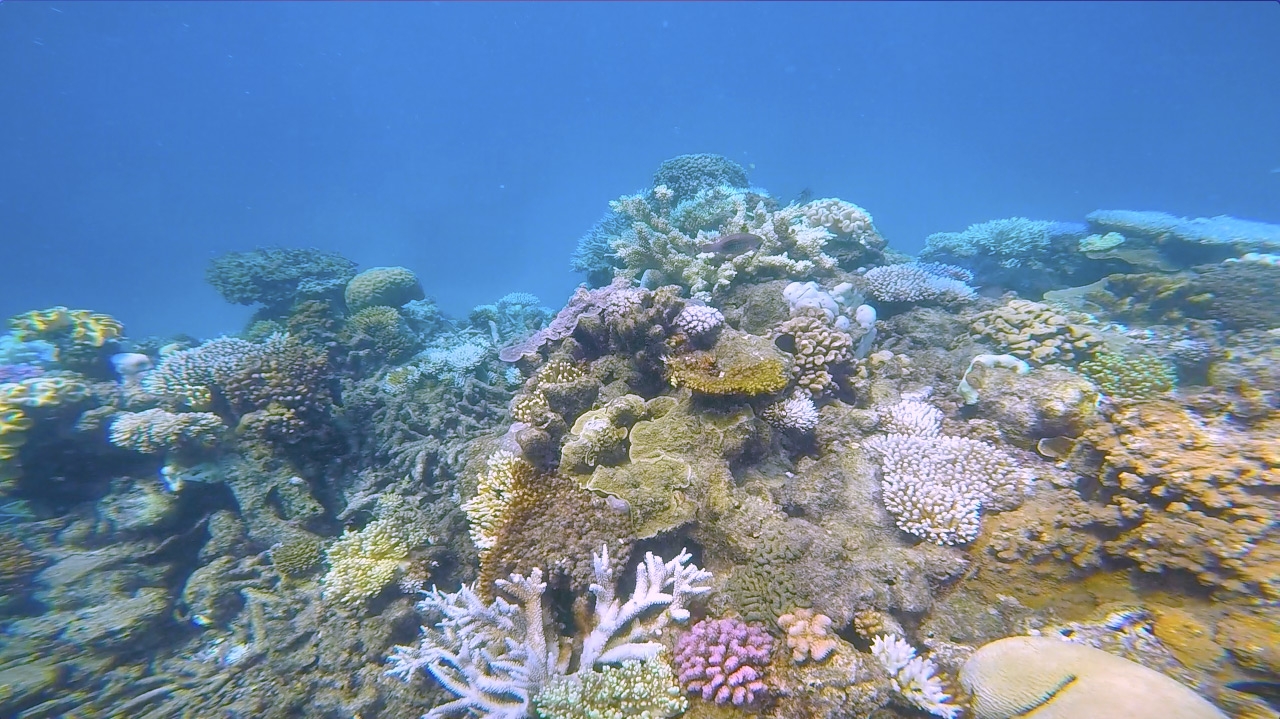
{"x":699,"y":321}
{"x":724,"y":660}
{"x":18,"y":372}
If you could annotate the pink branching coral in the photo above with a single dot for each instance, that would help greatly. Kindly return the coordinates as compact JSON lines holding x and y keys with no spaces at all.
{"x":724,"y":660}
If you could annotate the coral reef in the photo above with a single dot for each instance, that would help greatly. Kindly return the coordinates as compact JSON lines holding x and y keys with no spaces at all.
{"x":920,"y":282}
{"x":362,"y":563}
{"x":645,"y":689}
{"x":914,"y":678}
{"x":154,"y":431}
{"x":724,"y":661}
{"x":496,"y":658}
{"x":1129,"y":376}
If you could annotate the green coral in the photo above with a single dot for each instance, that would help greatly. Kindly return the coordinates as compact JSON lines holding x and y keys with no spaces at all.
{"x":1130,"y":376}
{"x":679,"y":466}
{"x":643,"y":689}
{"x":389,"y":286}
{"x":275,"y":277}
{"x":764,"y":587}
{"x":381,"y":329}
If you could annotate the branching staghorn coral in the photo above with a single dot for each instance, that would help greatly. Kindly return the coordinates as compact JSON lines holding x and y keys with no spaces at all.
{"x":497,"y":657}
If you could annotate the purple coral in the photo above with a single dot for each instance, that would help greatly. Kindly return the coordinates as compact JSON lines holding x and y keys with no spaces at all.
{"x":724,"y":660}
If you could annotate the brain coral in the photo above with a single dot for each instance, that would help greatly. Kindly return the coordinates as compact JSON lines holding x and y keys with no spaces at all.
{"x":273,"y":276}
{"x":389,"y":286}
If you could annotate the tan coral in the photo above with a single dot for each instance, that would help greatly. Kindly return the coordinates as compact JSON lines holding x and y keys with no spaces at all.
{"x":1038,"y":333}
{"x":819,"y":350}
{"x":809,"y":635}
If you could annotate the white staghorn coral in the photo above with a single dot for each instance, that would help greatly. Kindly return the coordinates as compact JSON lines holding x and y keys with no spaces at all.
{"x":496,"y":657}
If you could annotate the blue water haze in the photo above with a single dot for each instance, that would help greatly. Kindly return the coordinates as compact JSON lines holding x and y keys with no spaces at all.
{"x":475,"y":143}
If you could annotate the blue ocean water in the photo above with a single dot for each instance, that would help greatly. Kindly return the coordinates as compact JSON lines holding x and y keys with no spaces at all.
{"x":475,"y":142}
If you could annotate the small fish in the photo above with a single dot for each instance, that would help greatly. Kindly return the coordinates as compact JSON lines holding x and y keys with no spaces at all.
{"x":736,"y":244}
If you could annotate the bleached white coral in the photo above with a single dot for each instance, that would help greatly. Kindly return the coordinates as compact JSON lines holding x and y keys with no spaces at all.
{"x":913,"y":677}
{"x":797,"y":413}
{"x":917,"y":283}
{"x":699,"y":321}
{"x":936,"y":487}
{"x":843,"y":218}
{"x":912,"y":417}
{"x":496,"y":657}
{"x":454,"y":362}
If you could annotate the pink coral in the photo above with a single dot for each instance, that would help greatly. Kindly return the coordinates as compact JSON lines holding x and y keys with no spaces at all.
{"x":724,"y":660}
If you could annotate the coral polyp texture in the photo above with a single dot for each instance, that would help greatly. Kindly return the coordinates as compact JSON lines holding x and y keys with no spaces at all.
{"x":382,"y":286}
{"x":882,"y":467}
{"x":724,"y":661}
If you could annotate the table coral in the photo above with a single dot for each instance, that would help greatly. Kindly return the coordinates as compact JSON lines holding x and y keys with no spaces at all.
{"x":154,"y":431}
{"x":1037,"y":333}
{"x":274,"y":276}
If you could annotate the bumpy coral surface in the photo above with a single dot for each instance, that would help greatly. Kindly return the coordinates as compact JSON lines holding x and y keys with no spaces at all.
{"x":936,"y":487}
{"x":275,"y":277}
{"x":644,"y":689}
{"x":687,"y":175}
{"x":154,"y":431}
{"x":918,"y":283}
{"x":809,"y":635}
{"x":1037,"y":333}
{"x":1132,"y":376}
{"x":362,"y":563}
{"x":724,"y":661}
{"x":820,"y":351}
{"x":382,"y":286}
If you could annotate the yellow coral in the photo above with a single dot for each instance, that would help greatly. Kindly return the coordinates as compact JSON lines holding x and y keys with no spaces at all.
{"x":83,"y":326}
{"x":47,"y":391}
{"x":699,"y":372}
{"x":363,"y":563}
{"x":503,"y":472}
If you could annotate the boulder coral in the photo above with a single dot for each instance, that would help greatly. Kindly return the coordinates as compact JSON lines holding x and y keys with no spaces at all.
{"x":382,"y":286}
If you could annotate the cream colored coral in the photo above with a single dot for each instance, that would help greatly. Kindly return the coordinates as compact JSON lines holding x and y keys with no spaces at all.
{"x":154,"y":431}
{"x":819,"y":349}
{"x":842,"y":218}
{"x":485,"y":511}
{"x":362,"y":563}
{"x":1037,"y":333}
{"x":1054,"y":679}
{"x":809,"y":635}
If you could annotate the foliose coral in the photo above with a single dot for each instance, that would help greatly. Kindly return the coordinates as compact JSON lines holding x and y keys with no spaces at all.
{"x":497,"y":657}
{"x":385,"y":286}
{"x":724,"y":661}
{"x":273,"y":276}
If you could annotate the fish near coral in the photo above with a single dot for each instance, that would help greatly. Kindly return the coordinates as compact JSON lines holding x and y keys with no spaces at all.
{"x":738,"y":243}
